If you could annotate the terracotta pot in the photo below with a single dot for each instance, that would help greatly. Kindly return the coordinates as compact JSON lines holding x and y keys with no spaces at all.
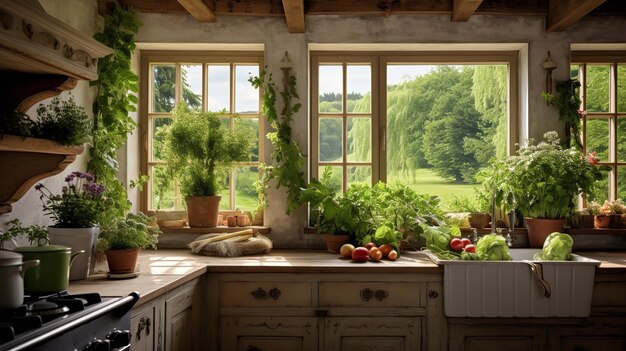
{"x":334,"y":242}
{"x":122,"y":261}
{"x":601,"y":221}
{"x":540,"y":228}
{"x":615,"y":221}
{"x":479,"y":220}
{"x":587,"y":221}
{"x":202,"y":211}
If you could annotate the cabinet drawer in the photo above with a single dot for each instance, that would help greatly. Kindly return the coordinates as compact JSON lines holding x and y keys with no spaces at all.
{"x":265,"y":294}
{"x":180,"y":301}
{"x":369,"y":294}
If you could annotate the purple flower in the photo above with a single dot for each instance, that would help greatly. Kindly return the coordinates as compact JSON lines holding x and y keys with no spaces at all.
{"x":70,"y":177}
{"x":88,"y":177}
{"x":39,"y":186}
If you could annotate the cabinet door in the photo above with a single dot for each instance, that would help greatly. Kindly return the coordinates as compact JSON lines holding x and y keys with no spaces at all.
{"x":593,"y":344}
{"x":372,"y":333}
{"x":496,"y":337}
{"x":268,"y":334}
{"x":181,"y":328}
{"x":142,"y":327}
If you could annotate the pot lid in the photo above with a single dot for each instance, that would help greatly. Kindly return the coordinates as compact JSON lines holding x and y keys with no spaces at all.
{"x":44,"y":248}
{"x":9,"y":258}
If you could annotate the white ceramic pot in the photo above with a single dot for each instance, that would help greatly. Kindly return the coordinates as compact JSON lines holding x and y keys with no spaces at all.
{"x":12,"y":271}
{"x":78,"y":239}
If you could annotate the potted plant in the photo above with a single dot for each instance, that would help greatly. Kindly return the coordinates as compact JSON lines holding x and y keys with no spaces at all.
{"x":477,"y":212}
{"x":617,"y":211}
{"x":75,"y":212}
{"x":546,"y":181}
{"x":199,"y":148}
{"x":124,"y":238}
{"x":601,"y":214}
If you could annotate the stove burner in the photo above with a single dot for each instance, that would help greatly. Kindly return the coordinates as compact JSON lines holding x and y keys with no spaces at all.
{"x":46,"y":308}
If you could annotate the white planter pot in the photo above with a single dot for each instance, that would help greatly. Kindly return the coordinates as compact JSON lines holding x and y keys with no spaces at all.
{"x":78,"y":239}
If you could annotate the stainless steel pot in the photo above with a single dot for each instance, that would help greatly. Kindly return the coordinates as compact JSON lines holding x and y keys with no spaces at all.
{"x":12,"y":271}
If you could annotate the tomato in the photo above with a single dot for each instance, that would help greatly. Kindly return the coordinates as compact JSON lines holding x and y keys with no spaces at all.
{"x":375,"y":254}
{"x":360,"y":254}
{"x":393,"y":255}
{"x":346,"y":250}
{"x":466,"y":241}
{"x":369,"y":245}
{"x":470,"y":248}
{"x":385,"y":249}
{"x":456,"y":245}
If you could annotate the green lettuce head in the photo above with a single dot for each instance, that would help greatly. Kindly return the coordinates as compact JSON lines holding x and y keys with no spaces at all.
{"x":493,"y":247}
{"x":557,"y":247}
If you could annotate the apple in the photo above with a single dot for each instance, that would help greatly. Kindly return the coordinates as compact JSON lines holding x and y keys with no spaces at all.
{"x":369,"y":245}
{"x":375,"y":254}
{"x":385,"y":249}
{"x":346,"y":250}
{"x":360,"y":254}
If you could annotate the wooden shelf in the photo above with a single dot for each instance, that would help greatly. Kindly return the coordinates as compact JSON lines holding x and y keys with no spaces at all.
{"x":25,"y":161}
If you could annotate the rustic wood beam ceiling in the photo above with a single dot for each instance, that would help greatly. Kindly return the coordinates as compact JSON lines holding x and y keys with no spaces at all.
{"x":560,"y":14}
{"x":294,"y":14}
{"x":564,"y":13}
{"x":462,"y":10}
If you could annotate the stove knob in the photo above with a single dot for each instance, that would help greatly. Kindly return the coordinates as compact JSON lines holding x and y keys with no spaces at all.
{"x":98,"y":345}
{"x":119,"y":338}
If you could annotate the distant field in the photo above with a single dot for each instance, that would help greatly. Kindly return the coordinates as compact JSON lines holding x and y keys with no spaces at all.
{"x":426,"y":181}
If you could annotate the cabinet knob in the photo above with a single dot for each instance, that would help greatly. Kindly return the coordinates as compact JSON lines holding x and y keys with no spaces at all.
{"x":259,"y":294}
{"x":98,"y":345}
{"x":367,"y":294}
{"x":275,"y":293}
{"x":433,"y":294}
{"x":380,"y":294}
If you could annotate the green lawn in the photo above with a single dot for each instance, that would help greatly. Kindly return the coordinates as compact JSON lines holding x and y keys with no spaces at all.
{"x":425,"y":181}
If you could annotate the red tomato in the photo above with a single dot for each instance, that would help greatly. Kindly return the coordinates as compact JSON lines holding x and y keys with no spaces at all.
{"x":456,"y":245}
{"x":470,"y":248}
{"x":465,"y":241}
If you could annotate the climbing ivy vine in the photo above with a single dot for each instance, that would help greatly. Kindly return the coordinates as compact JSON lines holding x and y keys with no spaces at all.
{"x":116,"y":97}
{"x":567,"y":102}
{"x":288,"y":160}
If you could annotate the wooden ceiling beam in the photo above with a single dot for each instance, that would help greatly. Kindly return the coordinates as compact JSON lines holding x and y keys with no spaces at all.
{"x":564,"y":13}
{"x":462,"y":10}
{"x":202,"y":10}
{"x":294,"y":14}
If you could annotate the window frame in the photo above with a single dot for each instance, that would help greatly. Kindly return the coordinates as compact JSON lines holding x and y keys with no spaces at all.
{"x":199,"y":57}
{"x":379,"y":61}
{"x":612,"y":59}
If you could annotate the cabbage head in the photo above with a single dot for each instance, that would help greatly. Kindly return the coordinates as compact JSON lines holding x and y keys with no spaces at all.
{"x":493,"y":247}
{"x":557,"y":247}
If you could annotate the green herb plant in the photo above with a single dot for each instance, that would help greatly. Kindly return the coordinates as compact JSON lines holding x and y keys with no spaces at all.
{"x":136,"y":230}
{"x":567,"y":102}
{"x":17,"y":123}
{"x":36,"y":234}
{"x":116,"y":97}
{"x":288,"y":159}
{"x":64,"y":122}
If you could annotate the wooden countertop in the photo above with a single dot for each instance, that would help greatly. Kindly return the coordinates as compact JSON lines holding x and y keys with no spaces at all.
{"x":164,"y":270}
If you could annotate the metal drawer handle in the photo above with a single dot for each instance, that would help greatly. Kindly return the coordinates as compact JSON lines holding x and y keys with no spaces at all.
{"x":143,"y":323}
{"x":275,"y":293}
{"x":259,"y":294}
{"x":367,"y":294}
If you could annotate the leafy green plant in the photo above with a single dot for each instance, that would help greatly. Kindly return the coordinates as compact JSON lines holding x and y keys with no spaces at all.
{"x":136,"y":230}
{"x":287,"y":157}
{"x":493,"y":247}
{"x":64,"y":122}
{"x":36,"y":234}
{"x":116,"y":90}
{"x":567,"y":102}
{"x":17,"y":123}
{"x":545,"y":179}
{"x":199,"y":148}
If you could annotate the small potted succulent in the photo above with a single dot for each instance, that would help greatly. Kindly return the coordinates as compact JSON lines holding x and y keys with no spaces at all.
{"x":601,"y":214}
{"x":122,"y":240}
{"x":617,"y":211}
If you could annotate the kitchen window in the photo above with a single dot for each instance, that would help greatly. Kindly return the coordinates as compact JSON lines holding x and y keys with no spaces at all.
{"x":208,"y":81}
{"x":426,"y":120}
{"x":603,"y":95}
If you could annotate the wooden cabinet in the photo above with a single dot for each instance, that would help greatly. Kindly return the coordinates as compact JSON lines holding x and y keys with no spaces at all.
{"x":328,"y":312}
{"x":474,"y":335}
{"x":171,"y":322}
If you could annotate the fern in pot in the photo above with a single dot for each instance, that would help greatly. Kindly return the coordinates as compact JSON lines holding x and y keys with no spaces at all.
{"x":124,"y":238}
{"x":199,"y":149}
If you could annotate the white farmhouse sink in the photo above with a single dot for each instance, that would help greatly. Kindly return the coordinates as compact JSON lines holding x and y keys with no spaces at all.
{"x":511,"y":289}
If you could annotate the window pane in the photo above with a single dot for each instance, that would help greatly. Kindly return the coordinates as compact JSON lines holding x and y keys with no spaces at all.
{"x":163,"y":195}
{"x":191,"y":76}
{"x":330,"y":139}
{"x":621,"y":139}
{"x":330,"y":88}
{"x":218,"y":88}
{"x":359,"y":87}
{"x":336,"y":176}
{"x":163,"y":88}
{"x":359,"y":174}
{"x":246,"y":194}
{"x":600,"y":190}
{"x":246,"y":96}
{"x":573,"y":71}
{"x":224,"y":191}
{"x":621,"y":88}
{"x":621,"y":183}
{"x":598,"y":138}
{"x":359,"y":139}
{"x":597,"y":88}
{"x":253,"y":125}
{"x":158,"y":136}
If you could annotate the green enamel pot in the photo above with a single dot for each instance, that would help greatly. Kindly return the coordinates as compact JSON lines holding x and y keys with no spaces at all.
{"x":52,"y":274}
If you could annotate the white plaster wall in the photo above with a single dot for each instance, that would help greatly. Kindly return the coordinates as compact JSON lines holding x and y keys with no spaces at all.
{"x":537,"y":117}
{"x":82,"y":15}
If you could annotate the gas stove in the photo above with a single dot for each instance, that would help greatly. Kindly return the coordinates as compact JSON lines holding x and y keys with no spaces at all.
{"x":62,"y":321}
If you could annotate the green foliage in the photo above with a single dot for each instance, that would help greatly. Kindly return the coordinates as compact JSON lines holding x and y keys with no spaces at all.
{"x":17,"y":123}
{"x":199,"y":149}
{"x":64,"y":122}
{"x":557,"y":247}
{"x":288,"y":159}
{"x":116,"y":97}
{"x":567,"y":102}
{"x":438,"y":238}
{"x":545,"y":179}
{"x":36,"y":234}
{"x":493,"y":247}
{"x":135,"y":231}
{"x":386,"y":235}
